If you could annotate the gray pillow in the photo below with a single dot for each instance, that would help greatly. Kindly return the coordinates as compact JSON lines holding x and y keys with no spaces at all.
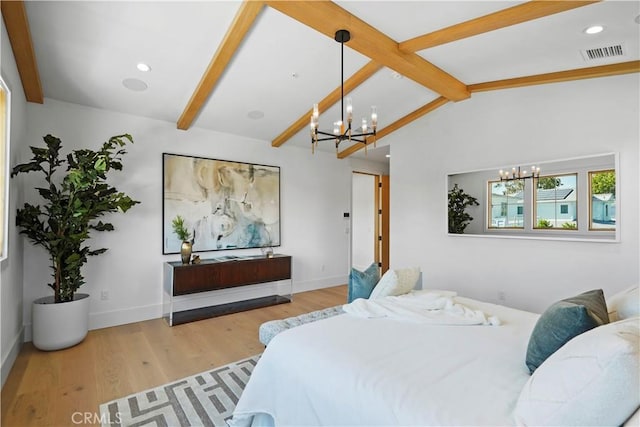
{"x":562,"y":321}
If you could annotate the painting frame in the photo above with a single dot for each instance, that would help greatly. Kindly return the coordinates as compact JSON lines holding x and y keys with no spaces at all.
{"x":225,"y":204}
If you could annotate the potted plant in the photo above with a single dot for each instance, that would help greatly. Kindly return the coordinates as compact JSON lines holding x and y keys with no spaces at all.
{"x":63,"y":224}
{"x":183,"y":234}
{"x":458,"y":202}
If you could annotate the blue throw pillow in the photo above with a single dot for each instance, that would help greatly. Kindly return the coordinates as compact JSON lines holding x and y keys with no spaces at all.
{"x":562,"y":321}
{"x":361,"y":283}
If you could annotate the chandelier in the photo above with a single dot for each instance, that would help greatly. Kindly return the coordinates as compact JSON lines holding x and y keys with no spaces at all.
{"x":340,"y":131}
{"x":516,"y":174}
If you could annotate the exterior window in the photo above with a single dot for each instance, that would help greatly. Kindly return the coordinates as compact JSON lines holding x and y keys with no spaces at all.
{"x":602,"y":195}
{"x":555,"y":202}
{"x":506,"y":204}
{"x":5,"y":99}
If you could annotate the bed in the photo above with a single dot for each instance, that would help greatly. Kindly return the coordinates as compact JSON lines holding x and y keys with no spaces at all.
{"x":398,"y":370}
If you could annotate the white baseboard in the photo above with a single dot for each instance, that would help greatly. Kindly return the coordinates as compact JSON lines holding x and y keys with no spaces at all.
{"x":10,"y":358}
{"x":326,"y":282}
{"x":107,"y":319}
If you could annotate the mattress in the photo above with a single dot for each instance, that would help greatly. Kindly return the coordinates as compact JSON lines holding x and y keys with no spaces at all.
{"x":346,"y":370}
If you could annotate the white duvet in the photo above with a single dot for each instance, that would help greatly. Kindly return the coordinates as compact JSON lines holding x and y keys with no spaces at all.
{"x":435,"y":307}
{"x":348,"y":370}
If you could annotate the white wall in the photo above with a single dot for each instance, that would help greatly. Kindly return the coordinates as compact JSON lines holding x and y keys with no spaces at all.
{"x":315,"y":191}
{"x":11,"y":329}
{"x":363,"y":220}
{"x":516,"y":127}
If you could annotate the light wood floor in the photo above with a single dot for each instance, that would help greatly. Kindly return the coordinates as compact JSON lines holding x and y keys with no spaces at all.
{"x":47,"y":388}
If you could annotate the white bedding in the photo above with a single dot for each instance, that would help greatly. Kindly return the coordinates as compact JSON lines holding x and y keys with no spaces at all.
{"x":347,"y":370}
{"x":435,"y":307}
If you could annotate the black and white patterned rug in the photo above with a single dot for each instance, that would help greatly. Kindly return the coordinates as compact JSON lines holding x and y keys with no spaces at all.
{"x":205,"y":399}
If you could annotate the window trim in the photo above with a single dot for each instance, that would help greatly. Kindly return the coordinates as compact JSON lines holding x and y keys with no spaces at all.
{"x":534,"y":208}
{"x":590,"y":200}
{"x":5,"y":141}
{"x":489,"y":221}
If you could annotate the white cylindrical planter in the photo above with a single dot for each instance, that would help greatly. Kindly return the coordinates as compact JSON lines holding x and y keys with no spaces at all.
{"x":62,"y":325}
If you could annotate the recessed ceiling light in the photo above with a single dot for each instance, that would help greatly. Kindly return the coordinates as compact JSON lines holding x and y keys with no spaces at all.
{"x":387,"y":156}
{"x":143,"y":67}
{"x":594,"y":29}
{"x":255,"y":114}
{"x":136,"y":85}
{"x":396,"y":75}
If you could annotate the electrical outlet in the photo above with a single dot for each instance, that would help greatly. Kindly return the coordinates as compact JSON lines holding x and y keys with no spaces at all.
{"x":104,"y":295}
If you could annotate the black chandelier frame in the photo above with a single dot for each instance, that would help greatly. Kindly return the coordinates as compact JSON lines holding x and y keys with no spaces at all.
{"x":342,"y":36}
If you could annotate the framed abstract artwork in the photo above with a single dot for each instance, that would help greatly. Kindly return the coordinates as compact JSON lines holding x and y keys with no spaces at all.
{"x":224,"y":204}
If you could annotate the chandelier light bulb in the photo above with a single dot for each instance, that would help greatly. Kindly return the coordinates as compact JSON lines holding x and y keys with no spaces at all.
{"x":349,"y":109}
{"x":519,"y":173}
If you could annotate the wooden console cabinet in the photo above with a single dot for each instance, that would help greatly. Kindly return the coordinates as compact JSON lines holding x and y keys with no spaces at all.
{"x":222,"y":273}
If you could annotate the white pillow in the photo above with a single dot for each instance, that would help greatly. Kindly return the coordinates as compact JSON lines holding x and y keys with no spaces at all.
{"x":396,"y":282}
{"x":624,"y":304}
{"x":592,"y":380}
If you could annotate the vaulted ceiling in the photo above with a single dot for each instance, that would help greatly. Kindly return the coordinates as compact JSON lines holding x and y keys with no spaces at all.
{"x":254,"y":68}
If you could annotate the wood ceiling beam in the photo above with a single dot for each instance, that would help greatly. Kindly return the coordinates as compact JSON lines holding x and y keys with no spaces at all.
{"x":350,"y":84}
{"x":17,"y":24}
{"x":556,"y":77}
{"x":242,"y":23}
{"x":327,"y":17}
{"x":436,"y":103}
{"x":560,"y":76}
{"x":503,"y":18}
{"x":514,"y":15}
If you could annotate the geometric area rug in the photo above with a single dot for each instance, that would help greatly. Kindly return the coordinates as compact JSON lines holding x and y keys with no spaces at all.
{"x":205,"y":399}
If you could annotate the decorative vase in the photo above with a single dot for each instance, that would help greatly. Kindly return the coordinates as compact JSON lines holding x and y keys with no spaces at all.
{"x":185,"y":251}
{"x":59,"y":325}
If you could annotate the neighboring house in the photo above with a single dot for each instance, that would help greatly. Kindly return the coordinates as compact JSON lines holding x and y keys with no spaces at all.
{"x":603,"y":208}
{"x":556,"y":205}
{"x":507,"y":210}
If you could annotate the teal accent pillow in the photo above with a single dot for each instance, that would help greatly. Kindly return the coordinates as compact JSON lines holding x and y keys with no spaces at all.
{"x":562,"y":321}
{"x":361,"y":283}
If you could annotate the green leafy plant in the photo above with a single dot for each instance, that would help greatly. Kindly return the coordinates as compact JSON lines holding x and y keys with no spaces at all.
{"x":603,"y":182}
{"x":544,"y":223}
{"x":63,"y":224}
{"x":548,"y":183}
{"x":459,"y":219}
{"x":570,"y":226}
{"x":180,"y":229}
